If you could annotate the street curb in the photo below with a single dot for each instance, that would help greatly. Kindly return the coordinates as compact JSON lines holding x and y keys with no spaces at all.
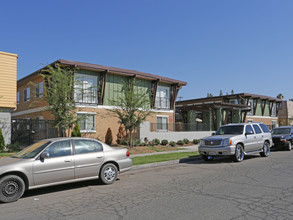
{"x":150,"y":165}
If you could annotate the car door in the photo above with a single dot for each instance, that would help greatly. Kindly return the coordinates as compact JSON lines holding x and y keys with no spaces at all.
{"x":58,"y":167}
{"x":250,"y":139}
{"x":88,"y":157}
{"x":259,"y":137}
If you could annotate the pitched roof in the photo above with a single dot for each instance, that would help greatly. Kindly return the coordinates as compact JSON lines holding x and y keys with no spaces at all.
{"x":114,"y":70}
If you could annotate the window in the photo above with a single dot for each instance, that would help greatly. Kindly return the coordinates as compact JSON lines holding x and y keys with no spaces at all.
{"x":230,"y":129}
{"x":87,"y":146}
{"x":163,"y":98}
{"x":274,"y":110}
{"x":162,"y":123}
{"x":248,"y":130}
{"x":264,"y":128}
{"x":86,"y":122}
{"x":257,"y":129}
{"x":17,"y":97}
{"x":85,"y":89}
{"x":40,"y":90}
{"x":27,"y":94}
{"x":250,"y":104}
{"x":59,"y":149}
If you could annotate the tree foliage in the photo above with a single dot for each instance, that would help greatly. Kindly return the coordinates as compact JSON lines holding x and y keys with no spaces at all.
{"x":2,"y":142}
{"x":280,"y":96}
{"x":120,"y":135}
{"x":109,"y":137}
{"x":131,"y":108}
{"x":76,"y":131}
{"x":59,"y":92}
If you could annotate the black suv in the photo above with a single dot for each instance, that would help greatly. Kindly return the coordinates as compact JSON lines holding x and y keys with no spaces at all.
{"x":283,"y":137}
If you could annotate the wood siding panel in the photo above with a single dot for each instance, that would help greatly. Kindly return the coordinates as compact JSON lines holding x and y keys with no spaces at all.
{"x":8,"y":77}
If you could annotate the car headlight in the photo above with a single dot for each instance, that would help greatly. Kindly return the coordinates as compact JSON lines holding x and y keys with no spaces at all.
{"x":226,"y":142}
{"x":201,"y":142}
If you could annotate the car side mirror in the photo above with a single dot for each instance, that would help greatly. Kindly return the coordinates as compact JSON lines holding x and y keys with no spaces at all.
{"x":214,"y":133}
{"x":248,"y":133}
{"x":45,"y":155}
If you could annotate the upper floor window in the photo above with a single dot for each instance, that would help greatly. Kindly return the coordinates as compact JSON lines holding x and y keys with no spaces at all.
{"x":39,"y":90}
{"x":85,"y":89}
{"x":274,"y":110}
{"x":163,"y":97}
{"x":27,"y":94}
{"x":250,"y":104}
{"x":17,"y":97}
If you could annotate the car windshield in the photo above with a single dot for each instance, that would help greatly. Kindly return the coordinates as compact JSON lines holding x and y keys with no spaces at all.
{"x":281,"y":131}
{"x":32,"y":150}
{"x":231,"y":129}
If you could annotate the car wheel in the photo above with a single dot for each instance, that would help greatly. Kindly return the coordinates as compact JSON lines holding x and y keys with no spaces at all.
{"x":265,"y":150}
{"x":12,"y":188}
{"x":239,"y":153}
{"x":108,"y":173}
{"x":207,"y":158}
{"x":289,"y":146}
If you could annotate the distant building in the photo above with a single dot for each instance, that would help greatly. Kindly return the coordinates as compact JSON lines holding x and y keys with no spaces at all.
{"x":97,"y":85}
{"x":286,"y":113}
{"x":212,"y":112}
{"x":8,"y":97}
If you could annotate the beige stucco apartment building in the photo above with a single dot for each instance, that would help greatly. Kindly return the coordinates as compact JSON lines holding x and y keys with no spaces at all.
{"x":8,"y":77}
{"x":286,"y":113}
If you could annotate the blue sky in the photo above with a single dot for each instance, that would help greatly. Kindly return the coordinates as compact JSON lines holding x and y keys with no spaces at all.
{"x":244,"y":45}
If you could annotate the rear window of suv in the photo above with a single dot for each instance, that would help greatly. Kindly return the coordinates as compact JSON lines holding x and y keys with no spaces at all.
{"x":264,"y":128}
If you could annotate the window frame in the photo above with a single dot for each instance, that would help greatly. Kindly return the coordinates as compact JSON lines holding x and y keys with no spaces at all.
{"x":80,"y":89}
{"x":27,"y":94}
{"x":39,"y":87}
{"x":86,"y":114}
{"x":158,"y":100}
{"x":162,"y":124}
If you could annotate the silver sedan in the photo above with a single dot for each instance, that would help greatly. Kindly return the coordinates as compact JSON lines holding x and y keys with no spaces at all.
{"x":58,"y":161}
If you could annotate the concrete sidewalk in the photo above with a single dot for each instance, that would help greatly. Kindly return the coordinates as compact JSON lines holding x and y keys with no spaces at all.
{"x":184,"y":149}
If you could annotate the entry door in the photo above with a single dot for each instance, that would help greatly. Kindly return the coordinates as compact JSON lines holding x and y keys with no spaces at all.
{"x":88,"y":158}
{"x":58,"y":167}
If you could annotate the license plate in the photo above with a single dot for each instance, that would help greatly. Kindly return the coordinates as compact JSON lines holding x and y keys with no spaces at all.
{"x":212,"y":153}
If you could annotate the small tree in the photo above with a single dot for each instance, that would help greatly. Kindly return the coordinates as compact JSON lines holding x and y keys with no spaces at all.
{"x":132,"y":108}
{"x":59,"y":91}
{"x":2,"y":142}
{"x":221,"y":93}
{"x":280,"y":96}
{"x":76,"y":131}
{"x":120,"y":135}
{"x":109,"y":137}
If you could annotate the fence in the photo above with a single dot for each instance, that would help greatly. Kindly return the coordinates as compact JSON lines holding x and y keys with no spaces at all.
{"x":28,"y":131}
{"x":179,"y":127}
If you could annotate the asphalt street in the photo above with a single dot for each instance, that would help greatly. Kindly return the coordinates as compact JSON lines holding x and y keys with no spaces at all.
{"x":257,"y":188}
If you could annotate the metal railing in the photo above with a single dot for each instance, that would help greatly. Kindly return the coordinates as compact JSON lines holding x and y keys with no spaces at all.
{"x":178,"y":127}
{"x":162,"y":103}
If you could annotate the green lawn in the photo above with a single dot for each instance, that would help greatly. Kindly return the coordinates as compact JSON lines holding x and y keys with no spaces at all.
{"x":163,"y":157}
{"x":6,"y":154}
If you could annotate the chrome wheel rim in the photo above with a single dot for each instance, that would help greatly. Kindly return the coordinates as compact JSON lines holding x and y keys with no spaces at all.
{"x":266,"y":149}
{"x":110,"y":174}
{"x":10,"y":188}
{"x":239,"y":153}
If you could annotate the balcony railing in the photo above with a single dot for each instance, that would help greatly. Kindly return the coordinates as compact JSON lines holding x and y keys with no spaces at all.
{"x":88,"y":96}
{"x":178,"y":127}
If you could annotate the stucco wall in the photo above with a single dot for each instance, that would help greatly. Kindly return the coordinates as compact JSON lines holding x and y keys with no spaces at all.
{"x":171,"y":136}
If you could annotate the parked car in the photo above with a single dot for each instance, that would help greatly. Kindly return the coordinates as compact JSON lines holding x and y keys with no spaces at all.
{"x":58,"y":161}
{"x":237,"y":140}
{"x":283,"y":137}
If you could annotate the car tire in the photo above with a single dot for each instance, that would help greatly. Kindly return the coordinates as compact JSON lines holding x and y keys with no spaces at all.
{"x":265,"y":150}
{"x":108,"y":174}
{"x":207,"y":158}
{"x":289,"y":146}
{"x":12,"y":188}
{"x":239,"y":153}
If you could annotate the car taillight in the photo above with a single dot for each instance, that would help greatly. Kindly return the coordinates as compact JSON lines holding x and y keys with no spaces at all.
{"x":127,"y":154}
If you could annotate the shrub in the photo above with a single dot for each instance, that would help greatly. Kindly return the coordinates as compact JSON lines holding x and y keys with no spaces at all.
{"x":164,"y":142}
{"x":196,"y":141}
{"x":13,"y":147}
{"x":180,"y":142}
{"x":155,"y":142}
{"x":124,"y":142}
{"x":2,"y":143}
{"x":186,"y":141}
{"x":172,"y":143}
{"x":109,"y":137}
{"x":121,"y":134}
{"x":76,"y":131}
{"x":136,"y":142}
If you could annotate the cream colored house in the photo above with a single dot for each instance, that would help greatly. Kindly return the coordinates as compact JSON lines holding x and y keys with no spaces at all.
{"x":8,"y":95}
{"x":286,"y":113}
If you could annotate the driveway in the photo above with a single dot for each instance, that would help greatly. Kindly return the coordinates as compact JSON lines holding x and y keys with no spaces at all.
{"x":257,"y":188}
